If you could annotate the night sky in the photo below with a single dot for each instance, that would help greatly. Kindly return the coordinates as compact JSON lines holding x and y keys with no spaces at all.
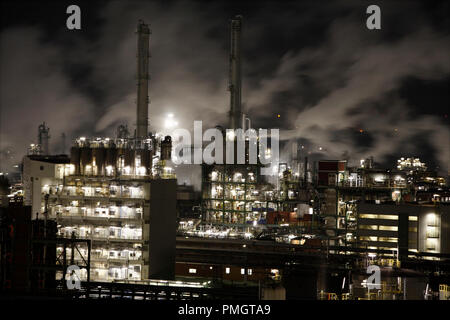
{"x":337,"y":86}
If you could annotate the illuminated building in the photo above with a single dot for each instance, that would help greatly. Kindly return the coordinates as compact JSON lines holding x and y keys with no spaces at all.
{"x":106,"y":193}
{"x":403,"y":229}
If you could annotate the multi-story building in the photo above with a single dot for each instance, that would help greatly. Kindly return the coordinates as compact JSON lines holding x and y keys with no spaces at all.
{"x":106,"y":193}
{"x":341,"y":187}
{"x":43,"y":174}
{"x":403,"y":228}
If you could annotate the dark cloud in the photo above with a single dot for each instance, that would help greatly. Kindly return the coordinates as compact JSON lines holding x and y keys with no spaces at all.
{"x":314,"y":64}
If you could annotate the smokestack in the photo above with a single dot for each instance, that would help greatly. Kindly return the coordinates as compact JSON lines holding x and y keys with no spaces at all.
{"x":235,"y":73}
{"x":143,"y":32}
{"x":43,"y":138}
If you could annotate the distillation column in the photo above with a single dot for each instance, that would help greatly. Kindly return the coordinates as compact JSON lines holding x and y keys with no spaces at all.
{"x":143,"y":32}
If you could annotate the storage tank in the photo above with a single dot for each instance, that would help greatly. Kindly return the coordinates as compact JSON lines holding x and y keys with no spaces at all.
{"x":129,"y":157}
{"x":85,"y":157}
{"x":146,"y":159}
{"x":75,"y":158}
{"x":120,"y":153}
{"x":99,"y":155}
{"x":111,"y":156}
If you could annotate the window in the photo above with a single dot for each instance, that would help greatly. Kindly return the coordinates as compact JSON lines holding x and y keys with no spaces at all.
{"x":249,"y":272}
{"x":227,"y":270}
{"x":368,"y":227}
{"x":242,"y":271}
{"x":430,"y":244}
{"x":432,"y":232}
{"x":379,"y":216}
{"x":192,"y":270}
{"x":388,"y":228}
{"x":387,"y":239}
{"x":368,"y":216}
{"x":432,"y":220}
{"x":41,"y":168}
{"x":412,"y":218}
{"x":373,"y":238}
{"x":388,"y":217}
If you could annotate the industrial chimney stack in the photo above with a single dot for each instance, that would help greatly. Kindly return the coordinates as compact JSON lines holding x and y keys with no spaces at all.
{"x":235,"y":73}
{"x":43,"y":137}
{"x":143,"y":32}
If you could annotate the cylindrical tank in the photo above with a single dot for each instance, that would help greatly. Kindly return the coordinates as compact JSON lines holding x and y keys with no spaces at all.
{"x":75,"y":158}
{"x":99,"y":155}
{"x":146,"y":158}
{"x":120,"y":155}
{"x":111,"y":157}
{"x":85,"y":158}
{"x":166,"y":148}
{"x":129,"y":157}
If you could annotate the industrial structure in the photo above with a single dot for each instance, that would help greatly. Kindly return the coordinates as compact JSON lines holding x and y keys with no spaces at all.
{"x":309,"y":231}
{"x":116,"y":192}
{"x":235,"y":85}
{"x":42,"y":145}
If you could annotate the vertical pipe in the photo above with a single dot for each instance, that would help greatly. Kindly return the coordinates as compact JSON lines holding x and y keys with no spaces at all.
{"x":64,"y":264}
{"x":305,"y":176}
{"x":235,"y":73}
{"x":89,"y":266}
{"x":143,"y":32}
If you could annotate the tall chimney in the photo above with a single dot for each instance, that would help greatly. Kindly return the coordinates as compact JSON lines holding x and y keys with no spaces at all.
{"x":43,"y":138}
{"x":143,"y":32}
{"x":235,"y":73}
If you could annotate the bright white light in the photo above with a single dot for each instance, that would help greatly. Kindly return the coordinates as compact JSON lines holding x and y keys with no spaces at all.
{"x":169,"y":123}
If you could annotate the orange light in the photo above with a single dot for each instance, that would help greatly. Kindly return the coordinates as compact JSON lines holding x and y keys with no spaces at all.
{"x":361,"y":130}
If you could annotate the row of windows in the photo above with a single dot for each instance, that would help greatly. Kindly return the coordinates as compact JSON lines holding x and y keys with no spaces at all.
{"x":380,"y":239}
{"x":377,"y":227}
{"x":227,"y":271}
{"x":384,"y":216}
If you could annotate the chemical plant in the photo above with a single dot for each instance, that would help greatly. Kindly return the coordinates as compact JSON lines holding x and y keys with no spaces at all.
{"x":113,"y":210}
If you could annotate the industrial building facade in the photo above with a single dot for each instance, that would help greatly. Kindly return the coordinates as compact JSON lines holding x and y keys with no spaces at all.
{"x":404,"y":228}
{"x":106,"y":194}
